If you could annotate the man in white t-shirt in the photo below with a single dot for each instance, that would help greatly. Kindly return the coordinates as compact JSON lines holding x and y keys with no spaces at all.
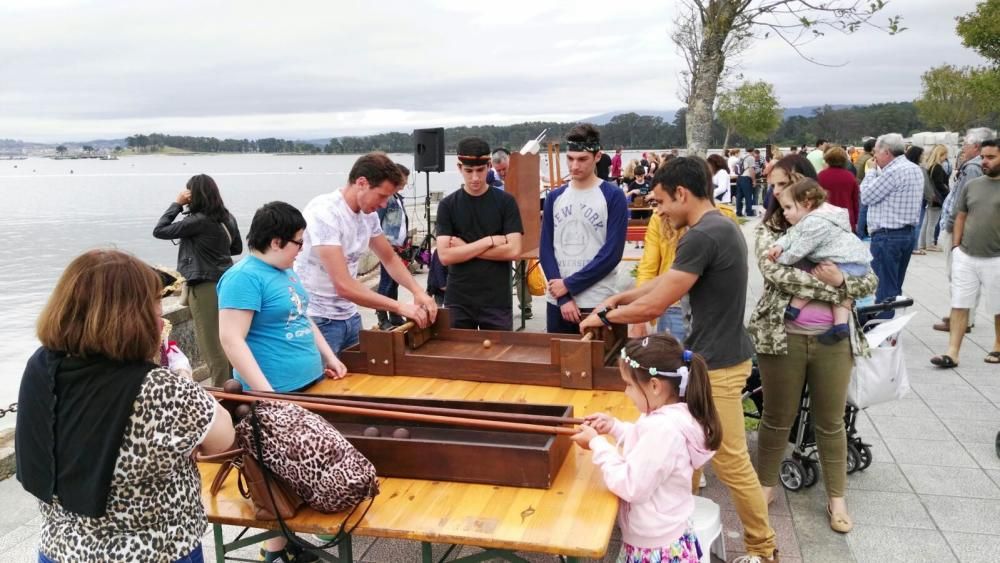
{"x":340,"y":227}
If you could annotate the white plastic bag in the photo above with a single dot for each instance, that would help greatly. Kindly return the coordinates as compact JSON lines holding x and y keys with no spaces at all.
{"x":881,"y":377}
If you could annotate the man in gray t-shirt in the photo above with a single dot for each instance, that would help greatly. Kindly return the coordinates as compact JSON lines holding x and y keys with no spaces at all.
{"x":710,"y":267}
{"x":975,"y":265}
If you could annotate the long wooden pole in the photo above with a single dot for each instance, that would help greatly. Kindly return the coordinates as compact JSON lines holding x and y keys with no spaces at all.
{"x":396,"y":415}
{"x":442,"y":411}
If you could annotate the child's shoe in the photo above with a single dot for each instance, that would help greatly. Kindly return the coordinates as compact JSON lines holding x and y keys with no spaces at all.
{"x":835,"y":334}
{"x":792,"y":313}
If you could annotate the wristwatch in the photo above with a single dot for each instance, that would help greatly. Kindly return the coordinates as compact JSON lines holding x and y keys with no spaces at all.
{"x":603,"y":315}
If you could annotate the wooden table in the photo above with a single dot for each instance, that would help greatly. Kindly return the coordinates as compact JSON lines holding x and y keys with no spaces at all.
{"x":574,"y":518}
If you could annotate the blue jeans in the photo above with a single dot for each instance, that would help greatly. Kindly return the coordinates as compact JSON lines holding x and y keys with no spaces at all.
{"x":890,"y":257}
{"x":386,"y":285}
{"x":556,"y":324}
{"x":195,"y":556}
{"x":340,"y":334}
{"x":672,"y":321}
{"x":920,"y":224}
{"x":862,"y":231}
{"x":744,"y":192}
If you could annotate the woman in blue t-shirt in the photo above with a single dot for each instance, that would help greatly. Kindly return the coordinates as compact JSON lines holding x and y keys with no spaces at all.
{"x":269,"y":339}
{"x":271,"y":342}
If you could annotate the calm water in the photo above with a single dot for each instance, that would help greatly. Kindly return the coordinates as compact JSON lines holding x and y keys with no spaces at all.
{"x":55,"y":209}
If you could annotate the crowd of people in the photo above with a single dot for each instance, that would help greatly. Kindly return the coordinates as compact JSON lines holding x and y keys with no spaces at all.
{"x":277,"y":320}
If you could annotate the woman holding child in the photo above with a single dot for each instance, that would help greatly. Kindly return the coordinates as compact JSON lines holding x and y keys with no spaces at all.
{"x":789,"y":351}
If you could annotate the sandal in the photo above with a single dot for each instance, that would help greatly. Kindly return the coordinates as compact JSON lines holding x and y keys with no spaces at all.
{"x":944,"y":361}
{"x":839,"y":521}
{"x":992,"y":358}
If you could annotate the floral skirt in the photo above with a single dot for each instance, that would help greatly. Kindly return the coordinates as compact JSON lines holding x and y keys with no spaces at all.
{"x":685,"y":550}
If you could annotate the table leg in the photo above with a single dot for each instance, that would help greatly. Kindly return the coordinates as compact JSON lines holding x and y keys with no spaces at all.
{"x":220,"y":547}
{"x":521,"y":288}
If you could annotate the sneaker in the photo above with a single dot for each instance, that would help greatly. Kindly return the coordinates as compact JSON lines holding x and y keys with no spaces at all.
{"x":703,"y":482}
{"x":291,"y":554}
{"x":757,"y":558}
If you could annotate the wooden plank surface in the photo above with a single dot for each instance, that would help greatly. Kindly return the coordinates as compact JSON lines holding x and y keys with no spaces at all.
{"x":575,"y":517}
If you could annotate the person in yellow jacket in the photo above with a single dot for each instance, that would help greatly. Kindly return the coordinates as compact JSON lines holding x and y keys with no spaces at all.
{"x":657,"y":256}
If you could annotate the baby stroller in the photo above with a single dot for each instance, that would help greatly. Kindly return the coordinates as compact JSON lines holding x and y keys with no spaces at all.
{"x":802,"y":468}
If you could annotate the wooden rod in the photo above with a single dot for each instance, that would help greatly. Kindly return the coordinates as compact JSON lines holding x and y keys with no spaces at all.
{"x":589,"y":335}
{"x":443,"y":411}
{"x":403,"y":327}
{"x":396,"y":415}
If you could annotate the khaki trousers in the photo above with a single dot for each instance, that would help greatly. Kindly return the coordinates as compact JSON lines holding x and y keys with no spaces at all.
{"x":204,"y":305}
{"x":827,"y":370}
{"x":732,"y":462}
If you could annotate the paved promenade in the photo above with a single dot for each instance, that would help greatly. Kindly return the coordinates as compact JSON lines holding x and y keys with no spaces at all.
{"x":931,"y":493}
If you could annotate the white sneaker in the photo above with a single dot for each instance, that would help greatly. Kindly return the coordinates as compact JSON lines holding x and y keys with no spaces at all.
{"x":703,"y":483}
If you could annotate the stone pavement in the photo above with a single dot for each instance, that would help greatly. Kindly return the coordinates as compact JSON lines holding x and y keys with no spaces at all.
{"x":931,"y":493}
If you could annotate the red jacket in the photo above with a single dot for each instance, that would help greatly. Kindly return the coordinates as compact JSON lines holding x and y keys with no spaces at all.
{"x":842,"y":190}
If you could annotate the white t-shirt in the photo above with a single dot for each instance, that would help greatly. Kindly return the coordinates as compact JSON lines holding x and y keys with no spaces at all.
{"x":330,"y":222}
{"x":721,"y":182}
{"x":732,"y":162}
{"x":580,"y":229}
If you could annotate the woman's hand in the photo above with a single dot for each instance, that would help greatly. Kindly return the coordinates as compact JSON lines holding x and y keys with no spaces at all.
{"x":184,"y":197}
{"x":334,"y":368}
{"x":829,"y":273}
{"x":584,"y":436}
{"x":601,"y":422}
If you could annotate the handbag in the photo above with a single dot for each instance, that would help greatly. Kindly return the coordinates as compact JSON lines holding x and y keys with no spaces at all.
{"x":282,"y":501}
{"x":305,"y":451}
{"x":881,"y":377}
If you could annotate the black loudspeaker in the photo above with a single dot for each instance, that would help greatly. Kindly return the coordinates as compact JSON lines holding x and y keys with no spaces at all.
{"x":428,"y":150}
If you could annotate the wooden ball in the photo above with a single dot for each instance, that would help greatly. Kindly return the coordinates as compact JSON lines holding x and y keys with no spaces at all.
{"x":242,"y":411}
{"x":487,"y":343}
{"x":232,"y":386}
{"x":372,"y":432}
{"x":401,"y":433}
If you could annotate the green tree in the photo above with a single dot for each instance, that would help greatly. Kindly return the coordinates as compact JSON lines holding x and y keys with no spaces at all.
{"x":947,"y":98}
{"x":751,"y":109}
{"x":711,"y":34}
{"x":61,"y":149}
{"x":980,"y":30}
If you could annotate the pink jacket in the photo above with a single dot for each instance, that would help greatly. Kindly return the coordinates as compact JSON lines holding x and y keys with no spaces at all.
{"x":652,"y":473}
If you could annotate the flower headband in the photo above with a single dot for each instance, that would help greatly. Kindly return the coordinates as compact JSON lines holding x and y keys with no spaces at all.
{"x":682,"y":372}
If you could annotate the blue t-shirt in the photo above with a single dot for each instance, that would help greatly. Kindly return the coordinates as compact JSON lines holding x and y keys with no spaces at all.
{"x":280,"y":335}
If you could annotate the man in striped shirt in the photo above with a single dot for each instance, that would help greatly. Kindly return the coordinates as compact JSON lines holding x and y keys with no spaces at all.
{"x":893,"y":194}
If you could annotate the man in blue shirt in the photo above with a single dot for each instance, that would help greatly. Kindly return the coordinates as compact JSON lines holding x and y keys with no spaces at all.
{"x":893,"y":194}
{"x":497,"y":175}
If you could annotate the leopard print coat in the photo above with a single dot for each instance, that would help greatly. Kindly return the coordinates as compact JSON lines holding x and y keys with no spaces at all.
{"x":154,"y":510}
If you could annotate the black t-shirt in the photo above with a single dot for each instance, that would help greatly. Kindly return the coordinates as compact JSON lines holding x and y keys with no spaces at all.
{"x":604,"y":167}
{"x":643,"y":188}
{"x":478,"y":282}
{"x":714,"y":249}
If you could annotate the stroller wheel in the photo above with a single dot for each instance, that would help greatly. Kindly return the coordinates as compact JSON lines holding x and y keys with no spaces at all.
{"x":792,"y":474}
{"x":853,"y":459}
{"x":812,"y":472}
{"x":866,"y":457}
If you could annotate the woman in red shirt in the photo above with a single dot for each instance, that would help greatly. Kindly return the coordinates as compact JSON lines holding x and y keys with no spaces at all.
{"x":840,"y":184}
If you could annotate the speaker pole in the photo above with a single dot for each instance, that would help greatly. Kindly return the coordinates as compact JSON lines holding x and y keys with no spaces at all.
{"x":427,"y":204}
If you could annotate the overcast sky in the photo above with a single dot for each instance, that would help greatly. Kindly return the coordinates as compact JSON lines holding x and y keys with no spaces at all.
{"x":81,"y":70}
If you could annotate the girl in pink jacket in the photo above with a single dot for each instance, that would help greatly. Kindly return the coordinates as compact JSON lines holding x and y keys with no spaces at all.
{"x":650,"y":470}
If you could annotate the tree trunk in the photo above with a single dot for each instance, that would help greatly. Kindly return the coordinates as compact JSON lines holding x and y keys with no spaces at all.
{"x":725,"y":142}
{"x":718,"y":20}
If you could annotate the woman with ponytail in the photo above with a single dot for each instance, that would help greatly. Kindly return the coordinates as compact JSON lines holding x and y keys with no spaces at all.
{"x":677,"y":432}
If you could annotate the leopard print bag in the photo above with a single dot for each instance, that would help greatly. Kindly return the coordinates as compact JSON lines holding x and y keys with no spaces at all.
{"x":310,"y":455}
